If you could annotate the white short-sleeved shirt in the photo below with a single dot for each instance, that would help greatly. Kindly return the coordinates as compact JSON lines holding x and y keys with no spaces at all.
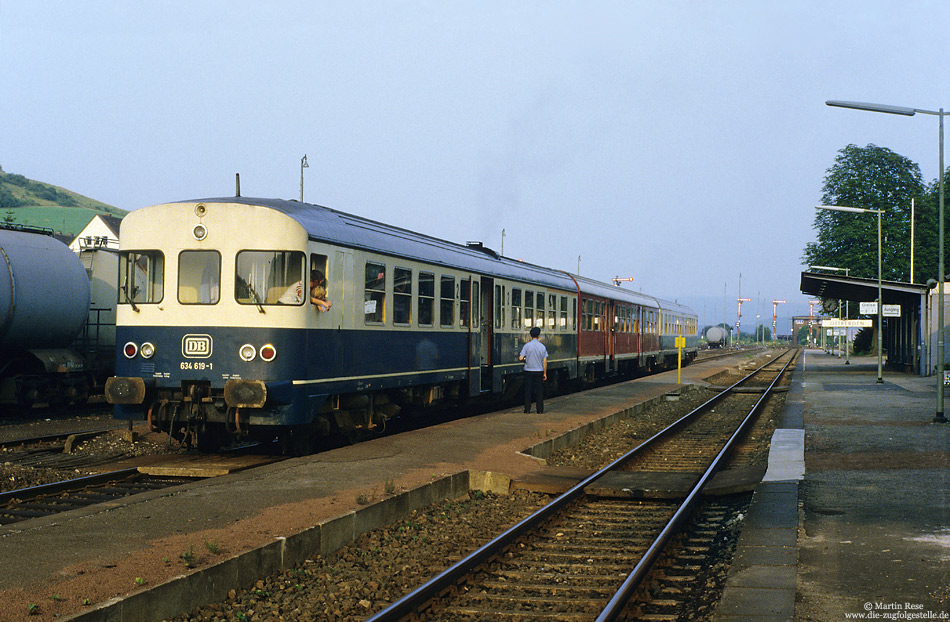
{"x":534,"y":354}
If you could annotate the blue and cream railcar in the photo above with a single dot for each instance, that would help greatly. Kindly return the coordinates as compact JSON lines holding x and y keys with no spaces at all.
{"x":216,"y":334}
{"x":677,"y":321}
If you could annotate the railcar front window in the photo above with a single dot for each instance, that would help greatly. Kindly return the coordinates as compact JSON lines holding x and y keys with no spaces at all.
{"x":141,"y":277}
{"x":199,"y":277}
{"x":374,"y":296}
{"x":270,"y":278}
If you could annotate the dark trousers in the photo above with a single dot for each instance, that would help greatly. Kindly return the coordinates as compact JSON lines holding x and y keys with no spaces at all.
{"x":534,"y":384}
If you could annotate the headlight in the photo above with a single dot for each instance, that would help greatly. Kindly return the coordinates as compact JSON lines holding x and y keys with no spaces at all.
{"x":147,"y":350}
{"x":247,"y":352}
{"x":268,"y":353}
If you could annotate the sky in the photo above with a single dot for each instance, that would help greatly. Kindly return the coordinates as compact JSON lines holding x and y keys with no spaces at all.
{"x":679,"y":143}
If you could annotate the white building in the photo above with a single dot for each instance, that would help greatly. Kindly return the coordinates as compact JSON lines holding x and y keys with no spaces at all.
{"x":102,"y":232}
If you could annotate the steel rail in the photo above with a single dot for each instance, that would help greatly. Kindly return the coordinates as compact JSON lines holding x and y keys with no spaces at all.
{"x":619,"y":601}
{"x":51,"y":438}
{"x":65,"y":485}
{"x":451,"y":575}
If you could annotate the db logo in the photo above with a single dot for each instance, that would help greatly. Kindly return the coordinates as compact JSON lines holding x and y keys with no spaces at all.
{"x":196,"y":346}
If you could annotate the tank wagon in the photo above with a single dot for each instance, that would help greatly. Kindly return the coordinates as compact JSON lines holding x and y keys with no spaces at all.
{"x":717,"y":337}
{"x":44,"y":305}
{"x":217,"y":336}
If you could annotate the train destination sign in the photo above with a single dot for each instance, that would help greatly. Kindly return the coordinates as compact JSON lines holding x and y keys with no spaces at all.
{"x":836,"y":323}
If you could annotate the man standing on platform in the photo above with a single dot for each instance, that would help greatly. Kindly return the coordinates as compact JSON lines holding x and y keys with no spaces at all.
{"x":535,"y":357}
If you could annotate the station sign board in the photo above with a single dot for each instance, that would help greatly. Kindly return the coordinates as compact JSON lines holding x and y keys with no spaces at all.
{"x":836,"y":323}
{"x":870,"y":308}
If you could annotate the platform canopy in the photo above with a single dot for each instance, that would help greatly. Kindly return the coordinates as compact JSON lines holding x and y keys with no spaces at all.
{"x":840,"y":287}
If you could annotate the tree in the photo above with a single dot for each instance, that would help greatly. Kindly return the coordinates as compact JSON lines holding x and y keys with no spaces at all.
{"x":869,"y":177}
{"x":926,"y":219}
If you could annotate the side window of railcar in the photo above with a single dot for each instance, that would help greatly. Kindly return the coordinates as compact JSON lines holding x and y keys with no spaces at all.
{"x":563,"y":312}
{"x":447,"y":301}
{"x":528,"y":309}
{"x":539,"y":311}
{"x":270,"y":278}
{"x":141,"y":277}
{"x":501,"y":296}
{"x":515,"y":308}
{"x":465,"y":288}
{"x":319,"y":277}
{"x":574,"y":314}
{"x":199,"y":277}
{"x":426,"y":298}
{"x":552,"y":311}
{"x":402,"y":296}
{"x":374,"y":293}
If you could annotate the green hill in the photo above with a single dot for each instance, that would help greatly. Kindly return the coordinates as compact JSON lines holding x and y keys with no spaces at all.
{"x":28,"y":202}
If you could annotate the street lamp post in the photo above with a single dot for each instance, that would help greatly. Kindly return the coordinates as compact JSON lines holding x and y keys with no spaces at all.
{"x":880,"y":300}
{"x":303,"y":165}
{"x":909,"y":112}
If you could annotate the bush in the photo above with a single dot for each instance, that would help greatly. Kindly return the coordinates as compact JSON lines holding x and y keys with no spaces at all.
{"x":864,"y":341}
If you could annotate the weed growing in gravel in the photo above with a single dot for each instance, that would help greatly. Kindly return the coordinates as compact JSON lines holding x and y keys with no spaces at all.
{"x":390,"y":487}
{"x":212,"y":547}
{"x":189,"y":557}
{"x":362,"y":499}
{"x":139,"y":581}
{"x":32,"y":609}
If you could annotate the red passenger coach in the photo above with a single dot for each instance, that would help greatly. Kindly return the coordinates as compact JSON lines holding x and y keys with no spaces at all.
{"x":623,"y":332}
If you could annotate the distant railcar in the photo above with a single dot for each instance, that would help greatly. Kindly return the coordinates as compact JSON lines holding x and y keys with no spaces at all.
{"x":217,"y":338}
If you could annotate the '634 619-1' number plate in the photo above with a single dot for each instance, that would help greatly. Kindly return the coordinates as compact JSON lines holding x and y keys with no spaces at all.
{"x":196,"y":365}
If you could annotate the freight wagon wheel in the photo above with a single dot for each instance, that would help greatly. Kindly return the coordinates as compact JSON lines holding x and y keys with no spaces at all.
{"x":29,"y":389}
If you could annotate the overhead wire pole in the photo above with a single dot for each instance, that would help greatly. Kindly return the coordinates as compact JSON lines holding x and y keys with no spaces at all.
{"x":909,"y":112}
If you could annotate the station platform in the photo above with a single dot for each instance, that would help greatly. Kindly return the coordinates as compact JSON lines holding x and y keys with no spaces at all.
{"x":863,"y":531}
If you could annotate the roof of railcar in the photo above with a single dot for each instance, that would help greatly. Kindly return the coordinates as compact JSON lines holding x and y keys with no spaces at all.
{"x":667,"y":305}
{"x":329,"y":225}
{"x":596,"y":288}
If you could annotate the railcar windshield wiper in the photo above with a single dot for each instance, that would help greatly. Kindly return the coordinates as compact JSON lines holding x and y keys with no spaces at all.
{"x":257,"y":299}
{"x":128,"y":297}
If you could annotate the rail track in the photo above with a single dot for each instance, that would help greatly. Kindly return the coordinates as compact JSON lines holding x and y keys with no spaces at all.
{"x":586,"y":555}
{"x":48,"y":499}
